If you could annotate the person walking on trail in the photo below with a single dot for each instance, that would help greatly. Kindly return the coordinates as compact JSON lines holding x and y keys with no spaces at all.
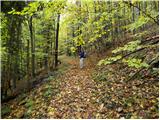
{"x":82,"y":56}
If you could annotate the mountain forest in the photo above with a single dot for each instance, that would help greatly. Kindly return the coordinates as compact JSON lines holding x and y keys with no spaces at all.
{"x":79,"y":59}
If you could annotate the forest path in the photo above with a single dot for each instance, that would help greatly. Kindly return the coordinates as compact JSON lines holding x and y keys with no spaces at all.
{"x":72,"y":93}
{"x":76,"y":99}
{"x":69,"y":94}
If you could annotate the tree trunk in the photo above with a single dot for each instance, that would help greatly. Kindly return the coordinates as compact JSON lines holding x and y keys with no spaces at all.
{"x":28,"y":60}
{"x":32,"y":46}
{"x":56,"y":42}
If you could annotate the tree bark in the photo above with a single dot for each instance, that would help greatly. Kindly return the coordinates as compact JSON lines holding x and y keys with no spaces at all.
{"x":56,"y":42}
{"x":28,"y":61}
{"x":32,"y":46}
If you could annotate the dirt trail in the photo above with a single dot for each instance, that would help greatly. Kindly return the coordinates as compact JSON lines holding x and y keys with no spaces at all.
{"x":76,"y":99}
{"x":71,"y":95}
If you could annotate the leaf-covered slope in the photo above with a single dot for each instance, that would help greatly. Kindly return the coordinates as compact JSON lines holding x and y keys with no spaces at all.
{"x":90,"y":93}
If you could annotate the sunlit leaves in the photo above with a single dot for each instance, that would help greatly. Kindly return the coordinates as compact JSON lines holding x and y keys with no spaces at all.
{"x":101,"y":62}
{"x":109,"y":60}
{"x":12,"y":12}
{"x":133,"y":62}
{"x":131,"y":46}
{"x":133,"y":1}
{"x":29,"y":10}
{"x":49,"y":8}
{"x":73,"y":49}
{"x":138,"y":23}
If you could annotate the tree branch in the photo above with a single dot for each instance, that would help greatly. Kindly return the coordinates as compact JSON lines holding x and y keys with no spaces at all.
{"x":148,"y":15}
{"x":128,"y":55}
{"x":150,"y":63}
{"x":150,"y":38}
{"x":140,"y":49}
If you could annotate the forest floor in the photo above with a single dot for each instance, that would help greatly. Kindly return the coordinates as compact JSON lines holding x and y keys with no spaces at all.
{"x":69,"y":96}
{"x":76,"y":93}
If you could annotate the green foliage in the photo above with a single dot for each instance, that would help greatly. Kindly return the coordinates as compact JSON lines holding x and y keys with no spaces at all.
{"x":138,"y":23}
{"x":109,"y":60}
{"x":51,"y":78}
{"x":152,"y":12}
{"x":73,"y":49}
{"x":29,"y":111}
{"x":5,"y":110}
{"x":48,"y":92}
{"x":89,"y":23}
{"x":29,"y":103}
{"x":140,"y":34}
{"x":29,"y":10}
{"x":4,"y":35}
{"x":133,"y":62}
{"x":99,"y":76}
{"x":131,"y":46}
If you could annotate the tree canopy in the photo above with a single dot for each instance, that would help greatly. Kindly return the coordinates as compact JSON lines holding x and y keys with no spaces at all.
{"x":35,"y":34}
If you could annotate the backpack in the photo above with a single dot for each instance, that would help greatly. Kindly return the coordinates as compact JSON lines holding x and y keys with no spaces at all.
{"x":85,"y":55}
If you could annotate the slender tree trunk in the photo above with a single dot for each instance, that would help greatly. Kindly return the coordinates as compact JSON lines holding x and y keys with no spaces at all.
{"x":56,"y":42}
{"x":28,"y":61}
{"x":32,"y":46}
{"x":133,"y":17}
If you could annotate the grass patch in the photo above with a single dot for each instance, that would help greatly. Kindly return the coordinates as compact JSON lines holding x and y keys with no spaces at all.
{"x":48,"y":92}
{"x":5,"y":110}
{"x":97,"y":76}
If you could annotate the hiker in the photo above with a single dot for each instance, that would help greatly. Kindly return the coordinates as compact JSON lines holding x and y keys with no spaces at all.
{"x":82,"y":56}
